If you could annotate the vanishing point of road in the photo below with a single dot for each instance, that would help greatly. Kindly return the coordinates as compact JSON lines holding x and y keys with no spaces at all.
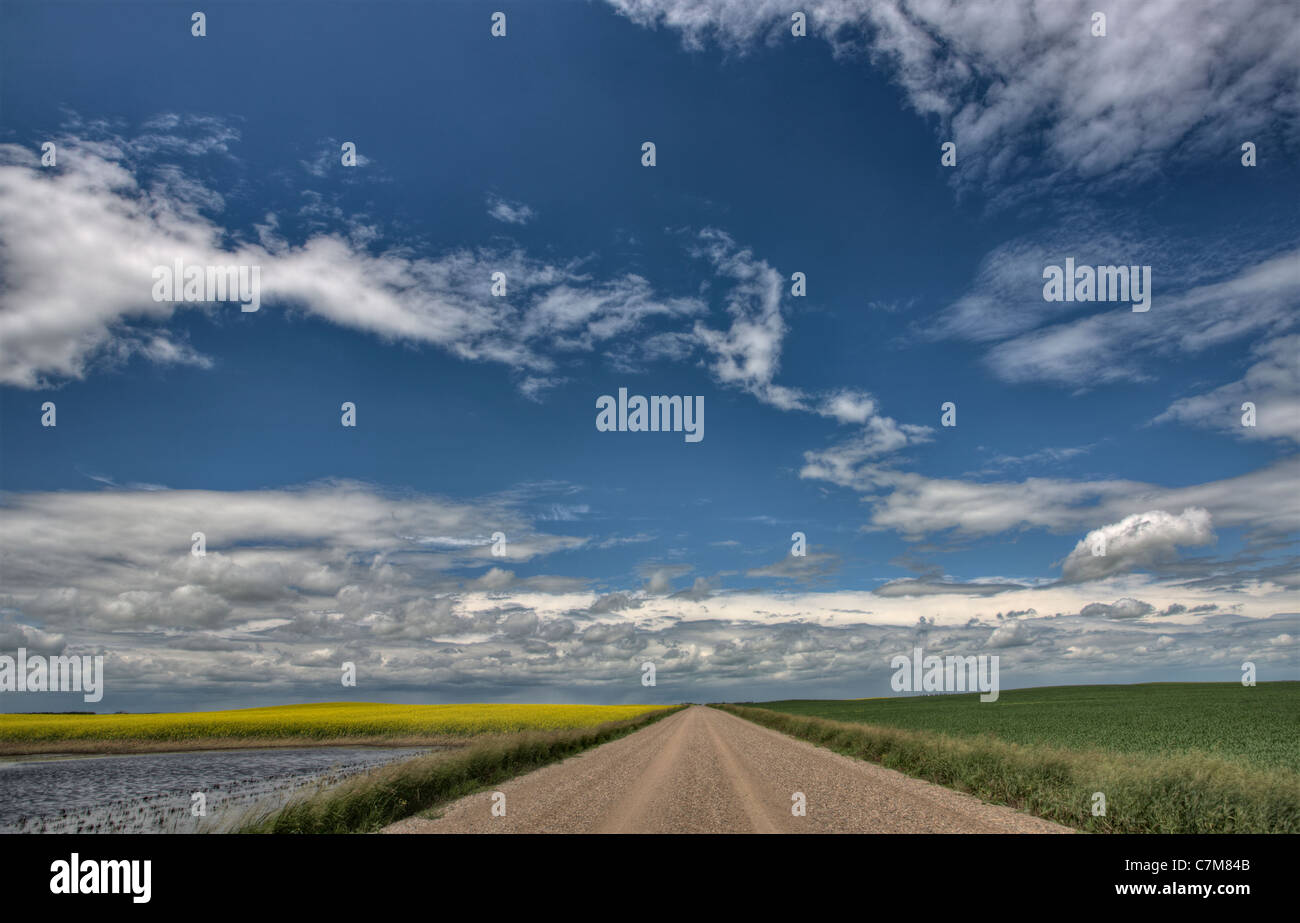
{"x":706,"y":771}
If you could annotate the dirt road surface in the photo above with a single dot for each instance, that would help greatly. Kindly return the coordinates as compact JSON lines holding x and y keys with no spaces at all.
{"x":706,"y":771}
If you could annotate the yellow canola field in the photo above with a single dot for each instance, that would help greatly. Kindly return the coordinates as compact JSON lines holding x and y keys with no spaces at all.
{"x":325,"y":720}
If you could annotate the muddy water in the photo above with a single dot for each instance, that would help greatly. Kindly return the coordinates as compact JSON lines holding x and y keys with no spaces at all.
{"x":152,"y":793}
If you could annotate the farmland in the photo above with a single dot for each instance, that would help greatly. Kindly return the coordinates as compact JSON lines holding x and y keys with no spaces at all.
{"x":1258,"y":726}
{"x":1155,"y":758}
{"x":332,"y":766}
{"x":331,"y":722}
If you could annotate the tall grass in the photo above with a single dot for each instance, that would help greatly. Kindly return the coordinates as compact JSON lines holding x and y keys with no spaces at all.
{"x":1181,"y":793}
{"x":369,"y":802}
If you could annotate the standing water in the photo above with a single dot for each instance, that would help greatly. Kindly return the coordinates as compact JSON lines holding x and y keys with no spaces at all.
{"x":153,"y":793}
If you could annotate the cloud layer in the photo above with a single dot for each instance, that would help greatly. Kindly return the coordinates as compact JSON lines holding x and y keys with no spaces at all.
{"x":296,"y":581}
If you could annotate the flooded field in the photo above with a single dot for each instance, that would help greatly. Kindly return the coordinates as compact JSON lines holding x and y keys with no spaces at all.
{"x":153,"y":793}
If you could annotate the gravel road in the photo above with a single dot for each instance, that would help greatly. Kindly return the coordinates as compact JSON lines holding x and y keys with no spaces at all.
{"x":706,"y":771}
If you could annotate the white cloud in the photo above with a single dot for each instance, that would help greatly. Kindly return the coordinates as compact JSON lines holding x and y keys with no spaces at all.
{"x":295,"y":581}
{"x":926,"y":586}
{"x":1011,"y":634}
{"x":1141,"y":540}
{"x":330,"y":157}
{"x":844,"y":462}
{"x":1272,"y":384}
{"x":284,"y":553}
{"x":848,"y":406}
{"x":36,"y":641}
{"x":509,"y":212}
{"x":915,"y":505}
{"x":806,"y":567}
{"x":1118,"y":344}
{"x":748,"y":354}
{"x":1126,"y":608}
{"x":659,"y":580}
{"x":1024,"y":88}
{"x":81,"y":244}
{"x":1006,"y":297}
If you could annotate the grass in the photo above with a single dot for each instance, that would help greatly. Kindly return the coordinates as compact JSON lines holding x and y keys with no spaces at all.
{"x":369,"y":802}
{"x":331,"y":723}
{"x":1259,"y":725}
{"x":1162,"y":785}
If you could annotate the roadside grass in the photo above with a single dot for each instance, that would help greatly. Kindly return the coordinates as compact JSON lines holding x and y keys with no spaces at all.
{"x":369,"y":802}
{"x":1178,"y":793}
{"x":321,"y":724}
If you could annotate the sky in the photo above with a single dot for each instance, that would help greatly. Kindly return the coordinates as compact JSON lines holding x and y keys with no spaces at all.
{"x":825,"y":394}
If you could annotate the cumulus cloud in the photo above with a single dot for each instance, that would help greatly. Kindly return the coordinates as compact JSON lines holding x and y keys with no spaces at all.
{"x":848,"y":406}
{"x":519,"y":624}
{"x":1142,"y":540}
{"x":659,"y":580}
{"x":1125,"y":608}
{"x":14,"y":636}
{"x":1012,"y":634}
{"x":614,"y":602}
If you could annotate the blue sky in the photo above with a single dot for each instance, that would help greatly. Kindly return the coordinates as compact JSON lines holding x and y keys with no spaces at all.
{"x":776,"y":154}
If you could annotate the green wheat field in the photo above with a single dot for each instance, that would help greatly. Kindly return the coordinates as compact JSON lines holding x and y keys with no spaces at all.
{"x":1259,"y":725}
{"x":1153,"y":758}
